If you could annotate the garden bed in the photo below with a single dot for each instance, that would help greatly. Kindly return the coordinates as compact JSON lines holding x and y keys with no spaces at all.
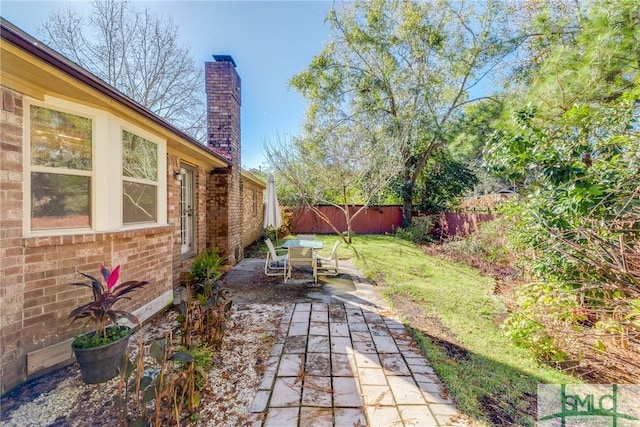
{"x":61,"y":398}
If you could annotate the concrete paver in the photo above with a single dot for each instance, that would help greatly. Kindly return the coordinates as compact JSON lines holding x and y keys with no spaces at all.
{"x":346,"y":393}
{"x":377,"y":395}
{"x":282,"y":417}
{"x":349,"y":417}
{"x":381,"y":416}
{"x":344,"y":359}
{"x":342,"y":365}
{"x":317,"y":417}
{"x":318,"y":364}
{"x":286,"y":392}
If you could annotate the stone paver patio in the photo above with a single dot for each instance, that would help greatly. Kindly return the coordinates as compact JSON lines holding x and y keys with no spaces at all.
{"x":343,"y":359}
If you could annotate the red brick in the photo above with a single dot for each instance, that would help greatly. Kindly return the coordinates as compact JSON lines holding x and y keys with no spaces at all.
{"x":72,"y":262}
{"x":31,"y":277}
{"x":38,"y":301}
{"x":40,"y":284}
{"x":13,"y":251}
{"x":32,"y":312}
{"x":60,"y":271}
{"x":12,"y":328}
{"x":34,"y":258}
{"x":41,"y":319}
{"x":31,"y":295}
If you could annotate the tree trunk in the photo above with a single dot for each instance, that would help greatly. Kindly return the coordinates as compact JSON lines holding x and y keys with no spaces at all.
{"x":407,"y":197}
{"x":407,"y":208}
{"x":347,"y":217}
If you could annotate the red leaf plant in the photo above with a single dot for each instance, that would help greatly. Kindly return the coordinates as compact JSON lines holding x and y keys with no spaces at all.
{"x":100,"y":311}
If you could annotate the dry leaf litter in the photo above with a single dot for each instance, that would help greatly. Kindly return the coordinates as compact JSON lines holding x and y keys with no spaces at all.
{"x":62,"y":399}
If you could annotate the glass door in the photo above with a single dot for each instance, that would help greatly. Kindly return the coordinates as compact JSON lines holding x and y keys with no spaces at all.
{"x":187,"y":203}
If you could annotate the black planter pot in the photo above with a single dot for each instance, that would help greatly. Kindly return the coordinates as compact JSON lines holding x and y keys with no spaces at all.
{"x":100,"y":364}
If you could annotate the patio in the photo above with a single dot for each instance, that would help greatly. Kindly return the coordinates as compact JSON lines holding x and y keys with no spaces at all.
{"x":341,"y":358}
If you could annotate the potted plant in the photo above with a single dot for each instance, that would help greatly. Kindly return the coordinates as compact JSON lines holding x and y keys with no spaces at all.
{"x":99,"y":352}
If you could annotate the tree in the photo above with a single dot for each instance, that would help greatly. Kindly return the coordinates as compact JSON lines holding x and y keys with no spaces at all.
{"x":341,"y":168}
{"x":138,"y":54}
{"x":442,"y":183}
{"x":572,"y":140}
{"x":405,"y":70}
{"x":468,"y":138}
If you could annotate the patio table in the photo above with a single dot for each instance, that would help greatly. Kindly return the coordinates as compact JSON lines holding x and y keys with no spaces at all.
{"x":296,"y":243}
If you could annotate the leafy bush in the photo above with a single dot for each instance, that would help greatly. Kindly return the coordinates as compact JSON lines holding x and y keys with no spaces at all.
{"x":573,"y":145}
{"x":204,"y":316}
{"x":543,"y":323}
{"x":489,"y":243}
{"x":112,"y":334}
{"x":206,"y":267}
{"x":203,"y":361}
{"x":420,"y":230}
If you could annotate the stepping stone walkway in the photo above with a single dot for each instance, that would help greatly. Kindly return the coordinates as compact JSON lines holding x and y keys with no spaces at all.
{"x":348,"y":364}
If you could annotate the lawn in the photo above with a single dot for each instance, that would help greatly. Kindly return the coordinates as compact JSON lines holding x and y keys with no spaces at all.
{"x":451,"y":310}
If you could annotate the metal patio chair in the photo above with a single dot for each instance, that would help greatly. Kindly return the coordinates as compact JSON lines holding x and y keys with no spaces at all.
{"x":276,"y":262}
{"x":301,"y":257}
{"x":328,"y":266}
{"x":306,"y":237}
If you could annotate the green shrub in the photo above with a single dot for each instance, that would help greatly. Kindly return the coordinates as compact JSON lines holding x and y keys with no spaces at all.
{"x":544,"y":323}
{"x":420,"y":230}
{"x":489,"y":243}
{"x":205,"y":268}
{"x":203,"y":360}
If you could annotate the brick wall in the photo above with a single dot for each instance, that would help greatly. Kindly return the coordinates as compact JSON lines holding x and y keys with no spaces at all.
{"x":218,"y":212}
{"x":52,"y":263}
{"x":11,"y":250}
{"x":35,"y":272}
{"x":224,"y":199}
{"x":253,"y":211}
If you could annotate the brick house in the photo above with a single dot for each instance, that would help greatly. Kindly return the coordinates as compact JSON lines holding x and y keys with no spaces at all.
{"x":88,"y":176}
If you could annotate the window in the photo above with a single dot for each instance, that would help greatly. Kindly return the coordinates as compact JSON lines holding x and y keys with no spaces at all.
{"x":89,"y":170}
{"x":61,"y":169}
{"x":254,"y":201}
{"x":139,"y":179}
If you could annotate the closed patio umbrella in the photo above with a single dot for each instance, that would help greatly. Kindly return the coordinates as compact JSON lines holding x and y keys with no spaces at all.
{"x":272,"y":218}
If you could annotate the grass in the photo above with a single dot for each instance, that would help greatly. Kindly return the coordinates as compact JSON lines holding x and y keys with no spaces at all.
{"x":490,"y":379}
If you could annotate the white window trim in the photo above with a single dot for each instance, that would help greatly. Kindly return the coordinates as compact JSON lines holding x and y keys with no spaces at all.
{"x":106,"y":176}
{"x":160,"y":179}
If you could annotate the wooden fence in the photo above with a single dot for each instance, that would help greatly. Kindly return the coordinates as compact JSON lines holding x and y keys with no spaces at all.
{"x":373,"y":220}
{"x":381,"y":220}
{"x":463,"y":223}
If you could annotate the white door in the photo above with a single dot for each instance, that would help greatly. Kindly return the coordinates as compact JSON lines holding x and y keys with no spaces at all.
{"x":187,"y":203}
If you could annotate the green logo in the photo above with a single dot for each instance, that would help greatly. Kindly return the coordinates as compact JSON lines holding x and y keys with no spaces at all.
{"x":588,"y":405}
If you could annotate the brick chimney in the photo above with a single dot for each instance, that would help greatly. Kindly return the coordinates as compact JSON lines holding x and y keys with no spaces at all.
{"x":224,"y":193}
{"x":223,"y":107}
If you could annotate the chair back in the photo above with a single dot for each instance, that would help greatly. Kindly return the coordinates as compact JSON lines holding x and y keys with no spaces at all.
{"x":271,"y":248}
{"x":306,"y":237}
{"x":300,"y":256}
{"x":335,"y":248}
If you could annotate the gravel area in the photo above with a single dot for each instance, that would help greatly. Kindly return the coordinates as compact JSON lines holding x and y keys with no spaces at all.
{"x":62,"y":399}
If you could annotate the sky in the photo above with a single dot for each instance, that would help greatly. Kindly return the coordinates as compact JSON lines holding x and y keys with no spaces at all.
{"x":270,"y":41}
